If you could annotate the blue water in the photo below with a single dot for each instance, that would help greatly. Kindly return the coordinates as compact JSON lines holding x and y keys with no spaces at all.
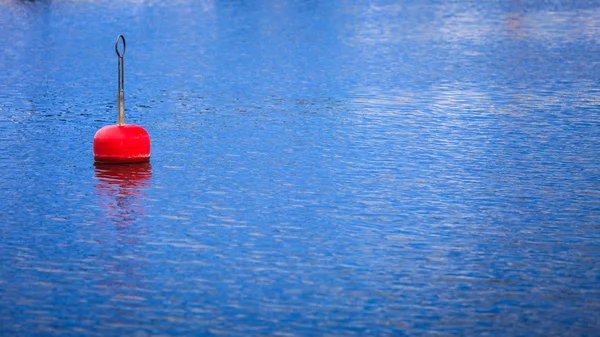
{"x":318,"y":168}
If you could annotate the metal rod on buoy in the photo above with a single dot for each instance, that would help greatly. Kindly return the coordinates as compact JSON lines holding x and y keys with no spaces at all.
{"x":121,"y":78}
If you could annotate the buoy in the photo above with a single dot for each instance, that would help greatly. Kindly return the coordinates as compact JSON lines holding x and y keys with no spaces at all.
{"x":121,"y":143}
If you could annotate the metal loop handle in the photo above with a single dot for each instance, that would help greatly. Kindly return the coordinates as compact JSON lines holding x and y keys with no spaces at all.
{"x":117,"y":46}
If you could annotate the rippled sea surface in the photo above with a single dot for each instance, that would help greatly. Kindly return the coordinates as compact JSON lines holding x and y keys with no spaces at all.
{"x":341,"y":167}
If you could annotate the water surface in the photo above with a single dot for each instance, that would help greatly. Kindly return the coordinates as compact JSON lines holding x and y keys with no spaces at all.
{"x":318,"y":168}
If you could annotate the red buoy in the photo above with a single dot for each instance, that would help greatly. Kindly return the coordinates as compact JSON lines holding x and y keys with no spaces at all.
{"x":121,"y":143}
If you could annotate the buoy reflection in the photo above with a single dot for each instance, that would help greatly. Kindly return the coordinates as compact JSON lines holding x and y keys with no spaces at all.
{"x":121,"y":189}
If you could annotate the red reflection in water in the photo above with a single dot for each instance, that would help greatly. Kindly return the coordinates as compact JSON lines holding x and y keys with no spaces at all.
{"x":513,"y":20}
{"x":121,"y":187}
{"x":121,"y":190}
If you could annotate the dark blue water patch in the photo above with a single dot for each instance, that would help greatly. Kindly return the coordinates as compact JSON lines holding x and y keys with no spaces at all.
{"x":334,"y":168}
